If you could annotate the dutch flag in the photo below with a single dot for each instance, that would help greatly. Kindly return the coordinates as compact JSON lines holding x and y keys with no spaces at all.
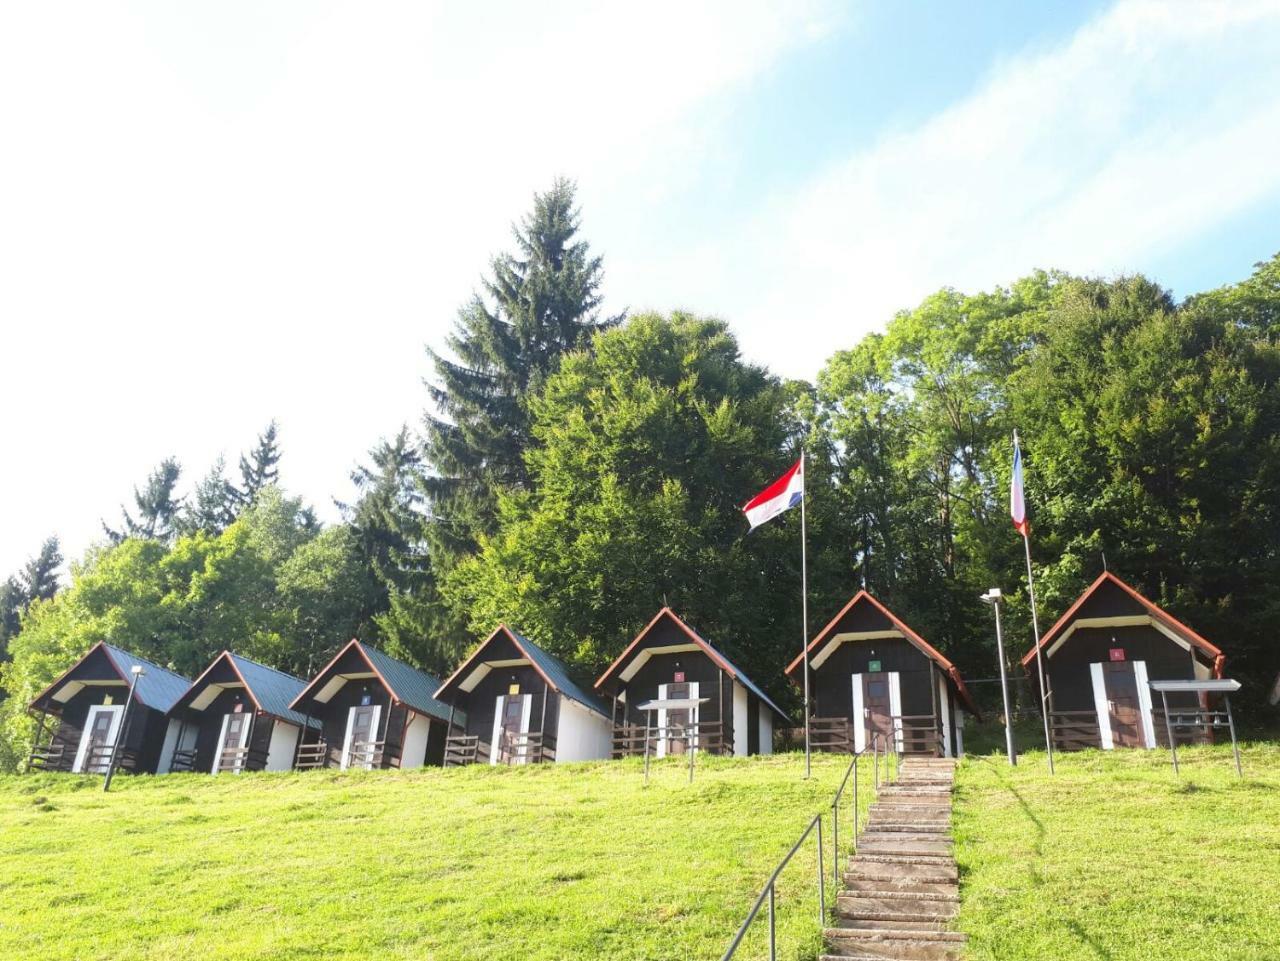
{"x":784,"y":493}
{"x":1017,"y":506}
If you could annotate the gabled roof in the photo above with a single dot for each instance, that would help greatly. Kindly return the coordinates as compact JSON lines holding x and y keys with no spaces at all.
{"x":925,"y":648}
{"x":411,"y":687}
{"x":158,"y":687}
{"x":549,"y":667}
{"x":1154,"y":611}
{"x":271,"y":691}
{"x":723,"y":662}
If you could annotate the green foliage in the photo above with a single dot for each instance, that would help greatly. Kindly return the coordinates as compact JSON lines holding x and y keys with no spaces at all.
{"x":267,"y":587}
{"x":259,"y":468}
{"x":646,"y":446}
{"x":213,"y":504}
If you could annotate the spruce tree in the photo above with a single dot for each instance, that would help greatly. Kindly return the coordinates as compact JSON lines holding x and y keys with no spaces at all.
{"x":213,"y":505}
{"x":38,"y":580}
{"x":158,"y":509}
{"x":260,"y":467}
{"x":541,"y":301}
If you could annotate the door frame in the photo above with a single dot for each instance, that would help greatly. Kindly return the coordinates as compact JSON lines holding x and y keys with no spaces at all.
{"x":117,"y":711}
{"x":662,"y":718}
{"x":222,"y":741}
{"x":346,"y":739}
{"x":860,"y":716}
{"x":499,"y":708}
{"x":1102,"y":703}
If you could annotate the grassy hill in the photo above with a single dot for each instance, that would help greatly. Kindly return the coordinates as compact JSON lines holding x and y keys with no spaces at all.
{"x":1113,"y":859}
{"x":542,"y":862}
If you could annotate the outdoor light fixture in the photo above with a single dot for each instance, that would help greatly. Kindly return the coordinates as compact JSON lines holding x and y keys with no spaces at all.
{"x":137,"y":671}
{"x":993,"y":597}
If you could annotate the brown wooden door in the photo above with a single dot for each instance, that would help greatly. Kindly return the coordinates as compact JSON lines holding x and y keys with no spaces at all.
{"x":512,"y":717}
{"x":96,"y":759}
{"x":677,"y":721}
{"x":237,"y":737}
{"x":876,"y":704}
{"x":1122,"y":703}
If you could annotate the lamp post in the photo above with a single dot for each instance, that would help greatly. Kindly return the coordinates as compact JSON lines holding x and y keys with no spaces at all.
{"x":137,"y":670}
{"x":993,"y":597}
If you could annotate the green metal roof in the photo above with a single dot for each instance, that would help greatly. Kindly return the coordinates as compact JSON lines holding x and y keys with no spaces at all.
{"x":558,"y":674}
{"x":158,"y":687}
{"x":273,"y":690}
{"x":408,"y":685}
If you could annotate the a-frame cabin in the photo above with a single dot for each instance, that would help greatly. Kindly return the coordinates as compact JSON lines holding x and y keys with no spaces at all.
{"x":1100,"y":658}
{"x":869,"y":673}
{"x":513,"y":703}
{"x":81,"y":716}
{"x":374,"y":712}
{"x":236,"y":717}
{"x":669,"y":661}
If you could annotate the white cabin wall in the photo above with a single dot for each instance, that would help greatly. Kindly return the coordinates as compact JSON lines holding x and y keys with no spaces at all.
{"x":741,"y":736}
{"x":766,"y":729}
{"x":414,"y":752}
{"x":583,"y":735}
{"x":283,"y":746}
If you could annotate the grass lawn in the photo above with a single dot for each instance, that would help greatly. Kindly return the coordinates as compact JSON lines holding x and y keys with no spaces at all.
{"x":550,"y":862}
{"x":1116,"y":859}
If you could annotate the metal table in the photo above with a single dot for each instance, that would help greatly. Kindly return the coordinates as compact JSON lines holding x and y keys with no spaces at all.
{"x":670,"y":704}
{"x":1203,"y":718}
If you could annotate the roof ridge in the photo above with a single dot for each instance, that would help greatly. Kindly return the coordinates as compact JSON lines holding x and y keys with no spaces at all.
{"x":265,"y":667}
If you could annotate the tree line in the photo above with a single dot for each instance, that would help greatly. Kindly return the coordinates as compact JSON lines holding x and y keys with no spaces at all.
{"x":573,"y":471}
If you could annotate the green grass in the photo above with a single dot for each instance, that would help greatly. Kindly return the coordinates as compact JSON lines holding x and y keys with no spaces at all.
{"x":1116,"y":859}
{"x":543,"y":862}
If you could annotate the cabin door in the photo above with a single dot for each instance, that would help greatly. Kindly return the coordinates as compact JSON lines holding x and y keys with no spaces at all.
{"x":877,"y":704}
{"x":235,"y":737}
{"x":100,"y":728}
{"x":510,"y":724}
{"x":678,"y":728}
{"x":362,"y":733}
{"x":1123,"y":703}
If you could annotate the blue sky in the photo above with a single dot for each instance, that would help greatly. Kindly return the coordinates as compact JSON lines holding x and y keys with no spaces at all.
{"x":213,"y":215}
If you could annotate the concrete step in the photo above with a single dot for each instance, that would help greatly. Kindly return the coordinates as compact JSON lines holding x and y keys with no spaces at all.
{"x":889,"y":922}
{"x":911,"y":834}
{"x":902,"y":907}
{"x":883,"y":943}
{"x":877,"y":845}
{"x":871,"y":883}
{"x":899,"y":893}
{"x":881,"y":865}
{"x":885,"y":826}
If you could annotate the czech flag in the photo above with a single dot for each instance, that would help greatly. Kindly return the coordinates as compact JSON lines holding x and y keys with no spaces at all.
{"x":784,"y":493}
{"x":1017,"y":506}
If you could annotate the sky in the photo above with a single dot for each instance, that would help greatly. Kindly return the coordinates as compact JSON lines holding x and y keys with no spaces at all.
{"x":212,"y":215}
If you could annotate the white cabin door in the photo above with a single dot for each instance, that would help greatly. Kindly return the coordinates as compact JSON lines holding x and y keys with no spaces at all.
{"x":362,"y":732}
{"x":233,"y":738}
{"x":100,"y":728}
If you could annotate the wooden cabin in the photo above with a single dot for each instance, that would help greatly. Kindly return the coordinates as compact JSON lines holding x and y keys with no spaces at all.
{"x":373,"y":712}
{"x":668,"y":661}
{"x":1099,"y":660}
{"x":871,"y":673}
{"x":513,"y":703}
{"x":236,"y":717}
{"x":81,"y":716}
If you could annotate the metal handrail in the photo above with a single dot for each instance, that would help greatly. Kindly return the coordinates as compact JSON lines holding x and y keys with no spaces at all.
{"x":769,"y":893}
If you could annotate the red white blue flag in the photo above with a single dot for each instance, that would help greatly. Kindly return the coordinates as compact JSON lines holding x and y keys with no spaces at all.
{"x":1017,"y":506}
{"x":784,"y":493}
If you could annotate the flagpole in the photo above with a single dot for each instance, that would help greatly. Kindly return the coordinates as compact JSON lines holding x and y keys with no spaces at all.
{"x":1035,"y":629}
{"x":804,"y":614}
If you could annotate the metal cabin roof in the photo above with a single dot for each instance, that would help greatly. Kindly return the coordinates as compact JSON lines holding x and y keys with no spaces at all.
{"x":158,"y":688}
{"x":273,"y":690}
{"x":733,"y":670}
{"x":408,"y":685}
{"x":557,"y":673}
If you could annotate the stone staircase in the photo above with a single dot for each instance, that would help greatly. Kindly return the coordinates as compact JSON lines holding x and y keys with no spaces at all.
{"x":901,"y":888}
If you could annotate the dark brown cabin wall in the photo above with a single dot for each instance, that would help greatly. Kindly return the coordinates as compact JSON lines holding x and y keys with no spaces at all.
{"x":333,"y":715}
{"x":260,"y":741}
{"x":144,"y":735}
{"x":436,"y":738}
{"x":208,"y":723}
{"x":391,"y":732}
{"x":661,"y":669}
{"x":1070,"y":677}
{"x":480,"y":703}
{"x":831,"y":685}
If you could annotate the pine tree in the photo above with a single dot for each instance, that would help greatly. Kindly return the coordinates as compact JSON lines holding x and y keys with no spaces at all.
{"x":38,"y":580}
{"x":158,"y":509}
{"x":213,"y":505}
{"x":260,"y":467}
{"x":542,"y":301}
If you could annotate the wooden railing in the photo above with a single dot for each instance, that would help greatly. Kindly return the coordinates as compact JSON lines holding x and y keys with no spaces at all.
{"x":183,"y":760}
{"x":365,"y":754}
{"x":98,"y":757}
{"x":311,"y":755}
{"x":1074,"y":730}
{"x":918,"y":734}
{"x":236,"y":759}
{"x":1190,"y":725}
{"x":629,"y":740}
{"x":462,"y":749}
{"x":57,"y":755}
{"x":530,"y":748}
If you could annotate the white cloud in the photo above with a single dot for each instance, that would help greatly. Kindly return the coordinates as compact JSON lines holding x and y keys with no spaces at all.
{"x":1154,"y":123}
{"x":215,"y":214}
